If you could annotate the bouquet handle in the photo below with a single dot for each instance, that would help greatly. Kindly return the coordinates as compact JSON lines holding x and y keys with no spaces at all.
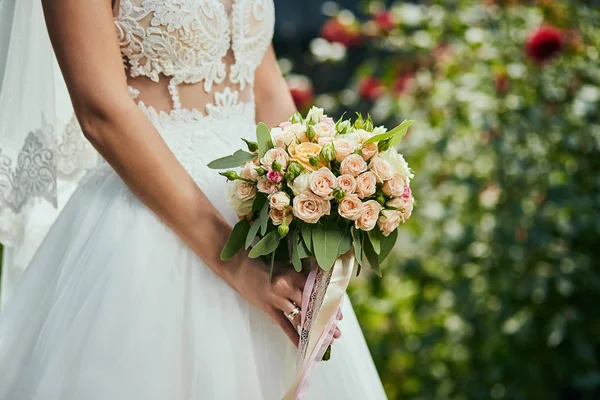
{"x":322,"y":299}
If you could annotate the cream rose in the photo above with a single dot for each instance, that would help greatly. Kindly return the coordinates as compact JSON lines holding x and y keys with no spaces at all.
{"x":369,"y":150}
{"x":343,"y":147}
{"x":298,"y":130}
{"x":324,"y":130}
{"x":394,"y":186}
{"x":382,"y":169}
{"x":363,"y":135}
{"x":249,"y":171}
{"x":366,"y":184}
{"x":309,"y":207}
{"x":350,"y":207}
{"x":302,"y":153}
{"x":369,"y":216}
{"x":278,"y":215}
{"x":388,"y":221}
{"x":276,"y":154}
{"x":353,"y":165}
{"x":347,"y":183}
{"x":244,"y":190}
{"x":301,"y":184}
{"x":279,"y":200}
{"x":265,"y":186}
{"x":325,"y":140}
{"x":322,"y":183}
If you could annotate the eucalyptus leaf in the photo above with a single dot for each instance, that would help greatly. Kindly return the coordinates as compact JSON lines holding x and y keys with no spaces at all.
{"x":345,"y":243}
{"x":263,"y":137}
{"x":372,"y":257}
{"x":400,"y":130}
{"x":374,"y":236}
{"x":387,"y":245}
{"x":237,"y":159}
{"x":266,"y":245}
{"x":296,"y":261}
{"x":252,"y":232}
{"x":303,"y":251}
{"x":263,"y":217}
{"x":306,"y":230}
{"x":236,"y":239}
{"x":326,"y":237}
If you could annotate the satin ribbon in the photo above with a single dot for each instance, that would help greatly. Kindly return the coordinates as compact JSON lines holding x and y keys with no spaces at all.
{"x":321,"y":302}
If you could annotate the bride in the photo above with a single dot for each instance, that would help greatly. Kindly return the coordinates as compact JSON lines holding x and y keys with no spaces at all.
{"x":127,"y":298}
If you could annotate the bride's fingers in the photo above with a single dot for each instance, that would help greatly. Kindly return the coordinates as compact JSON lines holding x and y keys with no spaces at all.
{"x":296,"y":297}
{"x":337,"y":333}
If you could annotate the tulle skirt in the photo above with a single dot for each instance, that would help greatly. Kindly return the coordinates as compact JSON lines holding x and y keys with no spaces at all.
{"x":115,"y":306}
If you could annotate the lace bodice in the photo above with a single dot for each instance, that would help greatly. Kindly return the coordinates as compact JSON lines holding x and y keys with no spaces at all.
{"x":214,"y":44}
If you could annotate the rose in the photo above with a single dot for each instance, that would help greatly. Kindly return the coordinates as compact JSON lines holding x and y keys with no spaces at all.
{"x":315,"y":114}
{"x":388,"y":221}
{"x":302,"y":153}
{"x":403,"y":205}
{"x":277,"y":154}
{"x":324,"y":130}
{"x":325,"y":140}
{"x":366,"y":184}
{"x":295,"y":131}
{"x":301,"y":183}
{"x":244,"y":190}
{"x":369,"y":150}
{"x":249,"y":171}
{"x":284,"y":124}
{"x":406,"y":193}
{"x":328,"y":120}
{"x":279,"y":200}
{"x":353,"y":165}
{"x":350,"y":207}
{"x":382,"y":169}
{"x":274,"y":176}
{"x":265,"y":186}
{"x":309,"y":207}
{"x":347,"y":183}
{"x":398,"y":163}
{"x":394,"y":186}
{"x":343,"y":147}
{"x":369,"y":216}
{"x":278,"y":215}
{"x":322,"y":183}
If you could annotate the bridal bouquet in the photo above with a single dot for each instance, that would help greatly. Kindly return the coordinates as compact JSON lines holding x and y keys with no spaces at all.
{"x":330,"y":193}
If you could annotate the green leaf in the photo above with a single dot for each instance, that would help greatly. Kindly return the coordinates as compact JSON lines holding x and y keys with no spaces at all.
{"x":237,"y":159}
{"x":303,"y":251}
{"x":372,"y":257}
{"x":398,"y":131}
{"x":236,"y":239}
{"x":259,"y":202}
{"x":345,"y":243}
{"x":326,"y":238}
{"x":327,"y":355}
{"x":263,"y":217}
{"x":263,"y":137}
{"x":357,"y":238}
{"x":387,"y":244}
{"x":296,"y":261}
{"x":306,"y":230}
{"x":375,"y":238}
{"x":266,"y":245}
{"x":252,"y":232}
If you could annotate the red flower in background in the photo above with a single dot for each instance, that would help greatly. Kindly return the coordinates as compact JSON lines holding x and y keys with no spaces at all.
{"x":301,"y":91}
{"x":370,"y":88}
{"x":502,"y":83}
{"x":334,"y":30}
{"x":544,"y":44}
{"x":385,"y":20}
{"x":403,"y":83}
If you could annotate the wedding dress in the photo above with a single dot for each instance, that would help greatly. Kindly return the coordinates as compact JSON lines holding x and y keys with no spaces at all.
{"x":114,"y":305}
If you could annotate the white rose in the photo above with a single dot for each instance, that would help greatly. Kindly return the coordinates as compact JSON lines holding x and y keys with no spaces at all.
{"x":315,"y":114}
{"x":398,"y":163}
{"x":378,"y":130}
{"x":279,"y":200}
{"x":324,"y":130}
{"x":276,"y":154}
{"x":353,"y":165}
{"x":343,"y":147}
{"x":322,"y":183}
{"x":347,"y":183}
{"x":388,"y":221}
{"x":382,"y":169}
{"x":366,"y":184}
{"x":310,"y":207}
{"x":266,"y":186}
{"x":369,"y":216}
{"x":301,"y":184}
{"x":249,"y":171}
{"x":394,"y":186}
{"x":298,"y":130}
{"x":350,"y":207}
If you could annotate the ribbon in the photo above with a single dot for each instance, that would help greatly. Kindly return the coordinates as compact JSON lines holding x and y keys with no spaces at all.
{"x":321,"y":302}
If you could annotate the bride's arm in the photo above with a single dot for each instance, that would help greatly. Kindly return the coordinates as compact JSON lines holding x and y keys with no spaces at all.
{"x":85,"y":41}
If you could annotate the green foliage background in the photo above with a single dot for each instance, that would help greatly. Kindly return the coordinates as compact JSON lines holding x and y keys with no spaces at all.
{"x":495,"y":284}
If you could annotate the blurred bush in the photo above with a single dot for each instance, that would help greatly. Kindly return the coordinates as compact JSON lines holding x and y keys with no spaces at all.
{"x":494,"y":292}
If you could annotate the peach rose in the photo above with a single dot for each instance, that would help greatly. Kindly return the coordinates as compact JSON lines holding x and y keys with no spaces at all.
{"x":249,"y":171}
{"x":347,"y":183}
{"x":276,"y":154}
{"x":279,"y":200}
{"x":298,"y":130}
{"x":322,"y":183}
{"x":309,"y":207}
{"x":369,"y":150}
{"x":353,"y":165}
{"x":394,"y":186}
{"x":366,"y":184}
{"x":343,"y":148}
{"x":278,"y":215}
{"x":244,"y":190}
{"x":350,"y":207}
{"x":302,"y":152}
{"x":265,"y":186}
{"x":388,"y":221}
{"x":369,"y":216}
{"x":382,"y":169}
{"x":403,"y":205}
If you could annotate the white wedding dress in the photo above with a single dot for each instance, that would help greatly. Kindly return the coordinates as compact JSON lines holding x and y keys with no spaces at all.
{"x":114,"y":306}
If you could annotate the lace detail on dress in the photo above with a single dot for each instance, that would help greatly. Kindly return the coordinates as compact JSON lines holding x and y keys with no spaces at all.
{"x":253,"y":22}
{"x":75,"y":153}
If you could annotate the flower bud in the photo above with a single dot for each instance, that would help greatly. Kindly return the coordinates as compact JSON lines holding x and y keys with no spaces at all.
{"x":295,"y":117}
{"x":381,"y":199}
{"x":327,"y":153}
{"x":310,"y":132}
{"x":283,"y":229}
{"x":252,"y":146}
{"x":260,"y":170}
{"x":368,"y":124}
{"x":343,"y":127}
{"x":230,"y":175}
{"x":314,"y":161}
{"x":276,"y":166}
{"x":360,"y":122}
{"x":294,"y":169}
{"x":383,"y":145}
{"x":339,"y":193}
